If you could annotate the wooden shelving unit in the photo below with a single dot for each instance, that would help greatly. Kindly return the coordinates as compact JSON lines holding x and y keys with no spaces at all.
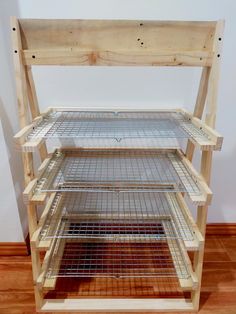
{"x":115,"y":232}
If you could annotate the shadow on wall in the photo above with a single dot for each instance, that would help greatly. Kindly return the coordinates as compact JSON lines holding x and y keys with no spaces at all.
{"x":8,"y":103}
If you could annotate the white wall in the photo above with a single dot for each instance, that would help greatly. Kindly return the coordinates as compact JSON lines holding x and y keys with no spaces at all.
{"x":12,"y":211}
{"x":146,"y":87}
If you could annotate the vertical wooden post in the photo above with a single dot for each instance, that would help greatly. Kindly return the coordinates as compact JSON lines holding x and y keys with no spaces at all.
{"x":199,"y":106}
{"x":22,"y":82}
{"x":33,"y":104}
{"x":206,"y":160}
{"x":35,"y":256}
{"x":206,"y":163}
{"x":21,"y":92}
{"x":214,"y":76}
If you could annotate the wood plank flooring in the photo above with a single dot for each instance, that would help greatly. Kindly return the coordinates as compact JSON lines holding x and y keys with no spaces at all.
{"x":218,"y":285}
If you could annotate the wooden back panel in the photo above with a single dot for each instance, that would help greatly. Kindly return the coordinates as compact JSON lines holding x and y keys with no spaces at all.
{"x":116,"y":42}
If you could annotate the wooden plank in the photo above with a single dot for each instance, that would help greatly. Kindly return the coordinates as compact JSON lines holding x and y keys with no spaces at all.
{"x":111,"y":305}
{"x":21,"y":136}
{"x":50,"y":283}
{"x":199,"y":106}
{"x":216,"y":140}
{"x":199,"y":240}
{"x":35,"y":237}
{"x":206,"y":194}
{"x":114,"y":58}
{"x":33,"y":102}
{"x":41,"y":276}
{"x":103,"y":35}
{"x":20,"y":78}
{"x":34,"y":106}
{"x":214,"y":75}
{"x":29,"y":191}
{"x":206,"y":161}
{"x":104,"y":109}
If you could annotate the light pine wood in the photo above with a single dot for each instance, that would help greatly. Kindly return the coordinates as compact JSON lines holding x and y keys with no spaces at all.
{"x":118,"y":305}
{"x":21,"y":88}
{"x":214,"y":75}
{"x":110,"y":42}
{"x":114,"y":58}
{"x":199,"y":106}
{"x":34,"y":107}
{"x":216,"y":139}
{"x":131,"y":43}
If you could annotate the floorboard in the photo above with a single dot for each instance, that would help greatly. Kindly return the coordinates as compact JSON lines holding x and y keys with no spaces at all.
{"x":218,"y":286}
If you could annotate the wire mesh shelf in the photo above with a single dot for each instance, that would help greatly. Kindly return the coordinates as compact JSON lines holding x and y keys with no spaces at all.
{"x":88,"y":215}
{"x":116,"y":170}
{"x":133,"y":258}
{"x":163,"y":128}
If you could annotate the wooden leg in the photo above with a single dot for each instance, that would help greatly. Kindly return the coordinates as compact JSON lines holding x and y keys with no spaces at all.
{"x":199,"y":255}
{"x":206,"y":163}
{"x":28,"y":167}
{"x":35,"y":256}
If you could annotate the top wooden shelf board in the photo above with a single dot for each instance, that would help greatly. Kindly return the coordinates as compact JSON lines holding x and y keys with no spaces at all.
{"x":116,"y":42}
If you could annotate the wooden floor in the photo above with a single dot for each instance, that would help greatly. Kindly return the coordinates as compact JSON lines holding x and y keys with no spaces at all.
{"x":218,"y":288}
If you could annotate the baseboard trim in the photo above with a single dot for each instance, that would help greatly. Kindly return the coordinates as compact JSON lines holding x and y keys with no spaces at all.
{"x":227,"y":229}
{"x":13,"y":249}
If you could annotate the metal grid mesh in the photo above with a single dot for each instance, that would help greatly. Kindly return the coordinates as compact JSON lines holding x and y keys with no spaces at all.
{"x":83,"y":214}
{"x":134,"y":258}
{"x":116,"y":170}
{"x":115,"y":125}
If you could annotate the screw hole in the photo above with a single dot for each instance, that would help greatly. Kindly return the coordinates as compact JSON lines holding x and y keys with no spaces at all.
{"x":138,"y":39}
{"x":201,"y":58}
{"x":141,"y":24}
{"x":33,"y":57}
{"x":141,"y":43}
{"x":218,"y":55}
{"x":219,"y":38}
{"x":14,"y":29}
{"x":15,"y":51}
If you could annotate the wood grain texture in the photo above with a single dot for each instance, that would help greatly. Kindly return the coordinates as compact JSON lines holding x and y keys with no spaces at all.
{"x":221,"y":229}
{"x":13,"y":249}
{"x":218,"y":287}
{"x":117,"y":42}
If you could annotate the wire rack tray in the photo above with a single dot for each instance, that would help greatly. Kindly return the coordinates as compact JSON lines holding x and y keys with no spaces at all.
{"x":91,"y":215}
{"x":116,"y":125}
{"x":116,"y":170}
{"x":130,"y":258}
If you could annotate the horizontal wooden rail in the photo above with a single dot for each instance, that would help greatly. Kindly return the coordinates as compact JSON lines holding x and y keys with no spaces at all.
{"x":75,"y":56}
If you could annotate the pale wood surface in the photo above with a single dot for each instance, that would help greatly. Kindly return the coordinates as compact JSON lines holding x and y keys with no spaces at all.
{"x":117,"y":42}
{"x":218,"y":285}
